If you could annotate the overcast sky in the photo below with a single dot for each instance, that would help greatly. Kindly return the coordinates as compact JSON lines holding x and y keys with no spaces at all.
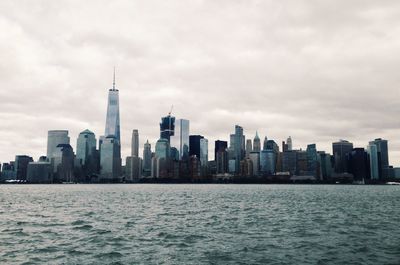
{"x":318,"y":71}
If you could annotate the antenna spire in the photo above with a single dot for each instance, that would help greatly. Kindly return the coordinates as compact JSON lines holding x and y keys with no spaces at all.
{"x":114,"y":79}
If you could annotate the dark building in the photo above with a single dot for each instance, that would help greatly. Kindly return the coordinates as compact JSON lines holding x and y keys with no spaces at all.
{"x":65,"y":168}
{"x":383,"y":157}
{"x":221,"y":156}
{"x":358,"y":164}
{"x":21,"y":166}
{"x":194,"y":145}
{"x":301,"y":162}
{"x":167,"y":127}
{"x":239,"y":147}
{"x":325,"y":165}
{"x":312,"y":159}
{"x":340,"y":152}
{"x":289,"y":159}
{"x":271,"y":145}
{"x":220,"y":146}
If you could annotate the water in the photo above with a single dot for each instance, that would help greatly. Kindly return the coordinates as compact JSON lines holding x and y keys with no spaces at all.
{"x":199,"y":224}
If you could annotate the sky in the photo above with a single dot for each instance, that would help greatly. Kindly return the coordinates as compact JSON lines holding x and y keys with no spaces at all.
{"x":317,"y":71}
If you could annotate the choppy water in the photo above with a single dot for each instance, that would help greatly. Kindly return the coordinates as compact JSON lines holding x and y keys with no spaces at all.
{"x":199,"y":224}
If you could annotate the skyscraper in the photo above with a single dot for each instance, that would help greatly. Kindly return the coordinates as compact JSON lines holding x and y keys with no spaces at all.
{"x":265,"y":143}
{"x":383,"y":156}
{"x":203,"y":152}
{"x":167,"y":127}
{"x":239,"y":147}
{"x":147,"y":158}
{"x":21,"y":166}
{"x":249,"y":147}
{"x":289,"y":144}
{"x":110,"y":159}
{"x":373,"y":161}
{"x":135,"y":143}
{"x":85,"y":146}
{"x":312,"y":159}
{"x":180,"y":139}
{"x":110,"y":148}
{"x":358,"y":164}
{"x":256,"y":143}
{"x":340,"y":152}
{"x":54,"y":138}
{"x":162,"y":148}
{"x":194,"y":145}
{"x":112,"y":119}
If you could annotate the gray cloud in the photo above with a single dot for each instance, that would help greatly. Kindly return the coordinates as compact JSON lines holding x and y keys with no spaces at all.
{"x":315,"y":70}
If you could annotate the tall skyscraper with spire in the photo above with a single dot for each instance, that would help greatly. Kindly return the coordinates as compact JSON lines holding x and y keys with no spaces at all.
{"x":256,"y":143}
{"x":110,"y":148}
{"x":112,"y":119}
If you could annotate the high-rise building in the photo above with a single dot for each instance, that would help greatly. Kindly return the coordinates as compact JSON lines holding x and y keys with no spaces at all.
{"x":54,"y":138}
{"x":63,"y":162}
{"x":110,"y":159}
{"x":265,"y":143}
{"x":162,"y":148}
{"x":312,"y":159}
{"x":383,"y":157}
{"x":180,"y":139}
{"x":340,"y":152}
{"x":110,"y":144}
{"x":249,"y":147}
{"x":268,"y":162}
{"x":256,"y":143}
{"x":373,"y":161}
{"x":147,"y":158}
{"x":133,"y":168}
{"x":203,"y":152}
{"x":325,"y":165}
{"x":358,"y":164}
{"x":221,"y":156}
{"x":255,"y":159}
{"x":39,"y":172}
{"x":220,"y":146}
{"x":167,"y":127}
{"x":289,"y":162}
{"x":238,"y":147}
{"x":85,"y":147}
{"x":289,"y":144}
{"x":135,"y":144}
{"x":112,"y":118}
{"x":194,"y":145}
{"x":21,"y":166}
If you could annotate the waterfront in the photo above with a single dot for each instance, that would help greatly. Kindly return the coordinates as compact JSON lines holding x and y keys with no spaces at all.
{"x":199,"y":224}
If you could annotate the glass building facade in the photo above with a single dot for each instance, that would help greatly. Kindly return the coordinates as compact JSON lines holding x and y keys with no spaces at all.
{"x":54,"y":138}
{"x":372,"y":151}
{"x":85,"y":146}
{"x":340,"y":151}
{"x":112,"y":118}
{"x":110,"y":159}
{"x":180,"y":139}
{"x":167,"y":127}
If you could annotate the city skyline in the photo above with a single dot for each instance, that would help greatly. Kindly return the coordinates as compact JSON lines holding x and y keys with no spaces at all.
{"x":334,"y":80}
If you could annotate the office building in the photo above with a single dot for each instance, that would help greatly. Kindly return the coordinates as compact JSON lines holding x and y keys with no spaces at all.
{"x":372,"y":151}
{"x":135,"y":144}
{"x":21,"y":166}
{"x":340,"y":152}
{"x":167,"y":127}
{"x":256,"y":143}
{"x":54,"y":138}
{"x":147,"y":155}
{"x":110,"y":159}
{"x":180,"y":139}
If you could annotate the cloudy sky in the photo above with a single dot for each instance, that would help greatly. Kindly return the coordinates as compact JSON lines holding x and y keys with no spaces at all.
{"x":316,"y":70}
